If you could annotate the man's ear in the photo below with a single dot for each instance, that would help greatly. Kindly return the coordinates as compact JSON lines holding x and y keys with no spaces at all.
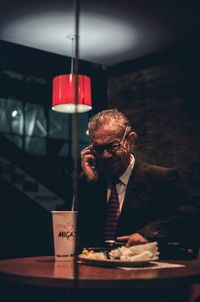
{"x":133,"y":136}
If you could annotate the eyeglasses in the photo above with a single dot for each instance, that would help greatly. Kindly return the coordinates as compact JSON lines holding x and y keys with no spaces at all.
{"x":110,"y":147}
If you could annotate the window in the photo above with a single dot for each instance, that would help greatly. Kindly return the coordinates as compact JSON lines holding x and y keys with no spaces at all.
{"x":30,"y":127}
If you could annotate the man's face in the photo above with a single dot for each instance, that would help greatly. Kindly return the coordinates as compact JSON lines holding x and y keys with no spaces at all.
{"x":111,"y":150}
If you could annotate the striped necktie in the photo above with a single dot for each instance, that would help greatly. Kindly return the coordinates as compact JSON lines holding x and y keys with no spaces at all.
{"x":113,"y":212}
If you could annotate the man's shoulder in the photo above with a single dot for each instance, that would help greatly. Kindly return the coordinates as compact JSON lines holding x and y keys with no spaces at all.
{"x":155,"y":168}
{"x":154,"y":172}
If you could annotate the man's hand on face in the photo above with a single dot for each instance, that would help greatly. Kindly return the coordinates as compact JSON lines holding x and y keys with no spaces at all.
{"x":134,"y":239}
{"x":88,"y":163}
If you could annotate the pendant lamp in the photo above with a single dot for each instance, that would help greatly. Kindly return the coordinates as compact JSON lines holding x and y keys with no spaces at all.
{"x":64,"y":93}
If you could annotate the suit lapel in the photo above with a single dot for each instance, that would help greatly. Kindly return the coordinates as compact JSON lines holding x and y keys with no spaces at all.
{"x":137,"y":194}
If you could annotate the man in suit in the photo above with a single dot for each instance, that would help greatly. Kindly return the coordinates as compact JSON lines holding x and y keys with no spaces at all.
{"x":153,"y":205}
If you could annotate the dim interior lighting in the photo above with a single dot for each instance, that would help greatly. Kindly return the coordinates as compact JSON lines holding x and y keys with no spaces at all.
{"x":14,"y":113}
{"x":63,"y":93}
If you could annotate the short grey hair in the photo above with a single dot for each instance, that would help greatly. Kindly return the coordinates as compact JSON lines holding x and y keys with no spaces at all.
{"x":109,"y":116}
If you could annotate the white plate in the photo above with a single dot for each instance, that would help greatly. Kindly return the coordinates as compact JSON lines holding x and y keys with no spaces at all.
{"x":115,"y":263}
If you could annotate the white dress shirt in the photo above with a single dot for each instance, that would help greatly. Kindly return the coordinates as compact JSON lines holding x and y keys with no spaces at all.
{"x":121,"y":186}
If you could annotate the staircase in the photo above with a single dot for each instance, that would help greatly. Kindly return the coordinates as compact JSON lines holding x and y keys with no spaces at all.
{"x":28,"y":185}
{"x":26,"y":202}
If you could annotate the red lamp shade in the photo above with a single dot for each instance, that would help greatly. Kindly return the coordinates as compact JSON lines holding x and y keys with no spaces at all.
{"x":64,"y":93}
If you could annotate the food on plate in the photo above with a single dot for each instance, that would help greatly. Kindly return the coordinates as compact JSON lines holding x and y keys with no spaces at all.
{"x":143,"y":252}
{"x":94,"y":255}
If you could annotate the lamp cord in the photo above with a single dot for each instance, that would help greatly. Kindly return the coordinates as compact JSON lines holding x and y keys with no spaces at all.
{"x":72,"y":58}
{"x":76,"y":140}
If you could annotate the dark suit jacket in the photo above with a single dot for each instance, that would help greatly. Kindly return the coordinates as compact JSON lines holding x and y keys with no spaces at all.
{"x":155,"y":205}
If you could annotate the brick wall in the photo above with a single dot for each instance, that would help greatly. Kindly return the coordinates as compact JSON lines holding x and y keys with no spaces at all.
{"x":162,"y":100}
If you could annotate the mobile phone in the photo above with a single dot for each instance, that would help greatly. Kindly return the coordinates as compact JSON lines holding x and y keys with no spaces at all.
{"x":92,"y":162}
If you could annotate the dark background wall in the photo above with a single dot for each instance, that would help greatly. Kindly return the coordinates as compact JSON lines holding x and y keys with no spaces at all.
{"x":160,"y":94}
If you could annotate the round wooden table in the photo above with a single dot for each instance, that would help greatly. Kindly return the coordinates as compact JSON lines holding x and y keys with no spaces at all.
{"x":44,"y":272}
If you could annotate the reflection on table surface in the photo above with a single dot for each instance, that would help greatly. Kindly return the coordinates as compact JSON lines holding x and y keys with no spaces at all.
{"x":45,"y":271}
{"x":44,"y":276}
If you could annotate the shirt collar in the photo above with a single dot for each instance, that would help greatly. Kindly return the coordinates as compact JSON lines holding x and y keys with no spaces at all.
{"x":124,"y":178}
